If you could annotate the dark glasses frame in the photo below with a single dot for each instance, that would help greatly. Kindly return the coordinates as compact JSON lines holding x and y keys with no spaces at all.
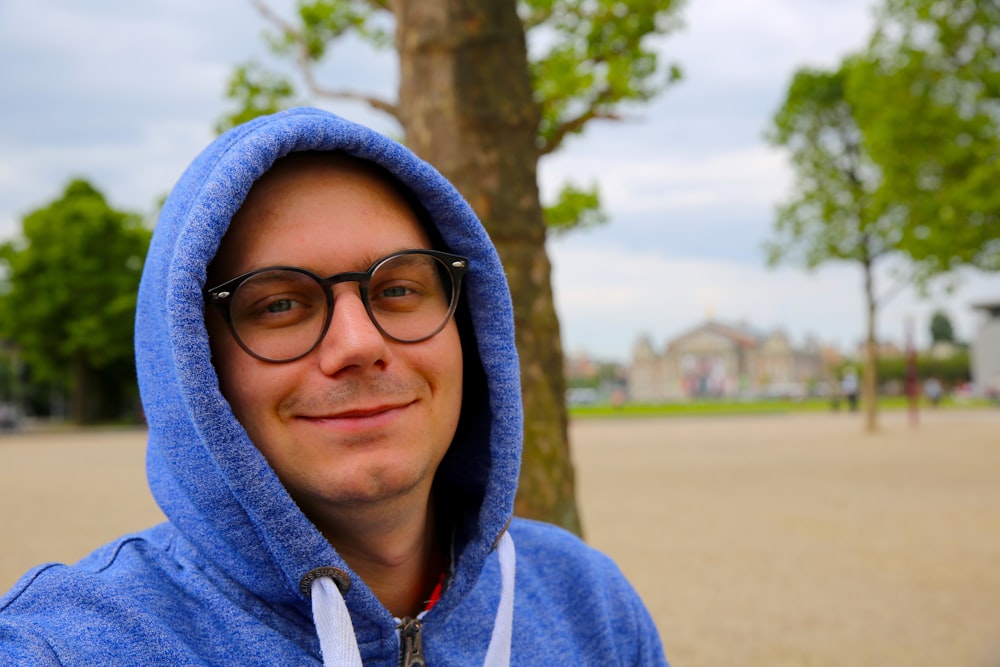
{"x":221,"y":295}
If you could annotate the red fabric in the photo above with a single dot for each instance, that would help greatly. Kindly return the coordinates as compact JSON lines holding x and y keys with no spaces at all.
{"x":436,"y":593}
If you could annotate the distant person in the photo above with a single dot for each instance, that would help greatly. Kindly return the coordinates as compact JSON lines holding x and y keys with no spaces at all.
{"x":325,"y":349}
{"x":9,"y":417}
{"x":933,"y":391}
{"x":849,"y":388}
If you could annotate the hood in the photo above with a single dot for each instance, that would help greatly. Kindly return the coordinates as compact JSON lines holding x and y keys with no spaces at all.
{"x":207,"y":476}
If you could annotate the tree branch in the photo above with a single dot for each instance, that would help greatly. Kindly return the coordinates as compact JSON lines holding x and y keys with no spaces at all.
{"x":319,"y":91}
{"x":901,"y":282}
{"x":574,"y":125}
{"x":536,"y":18}
{"x":305,"y":63}
{"x":271,"y":17}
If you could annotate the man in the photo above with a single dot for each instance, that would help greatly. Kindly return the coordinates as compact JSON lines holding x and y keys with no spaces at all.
{"x":325,"y":351}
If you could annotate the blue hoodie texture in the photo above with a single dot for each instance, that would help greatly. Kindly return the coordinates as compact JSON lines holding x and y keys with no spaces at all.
{"x":220,"y":583}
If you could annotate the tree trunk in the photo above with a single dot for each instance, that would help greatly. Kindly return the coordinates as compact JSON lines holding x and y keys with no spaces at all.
{"x":466,"y":106}
{"x":869,"y":393}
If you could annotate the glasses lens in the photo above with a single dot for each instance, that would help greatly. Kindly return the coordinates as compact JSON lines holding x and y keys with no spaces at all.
{"x":410,"y":296}
{"x":279,"y":314}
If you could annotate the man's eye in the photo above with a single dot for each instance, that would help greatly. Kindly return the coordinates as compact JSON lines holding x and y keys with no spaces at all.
{"x":280,"y":306}
{"x":394,"y":291}
{"x":278,"y":310}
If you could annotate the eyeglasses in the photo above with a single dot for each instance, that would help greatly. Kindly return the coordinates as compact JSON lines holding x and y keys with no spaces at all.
{"x":281,"y":313}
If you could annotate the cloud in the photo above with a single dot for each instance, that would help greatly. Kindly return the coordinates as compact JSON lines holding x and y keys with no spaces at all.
{"x":750,"y":176}
{"x":608,"y":296}
{"x":750,"y":44}
{"x":125,"y":94}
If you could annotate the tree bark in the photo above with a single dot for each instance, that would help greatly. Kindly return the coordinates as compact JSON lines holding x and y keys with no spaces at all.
{"x":466,"y":106}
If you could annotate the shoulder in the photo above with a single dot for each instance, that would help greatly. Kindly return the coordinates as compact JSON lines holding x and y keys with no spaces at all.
{"x":54,"y":606}
{"x":150,"y":599}
{"x":108,"y":565}
{"x":541,"y":545}
{"x":578,"y":598}
{"x":557,"y":558}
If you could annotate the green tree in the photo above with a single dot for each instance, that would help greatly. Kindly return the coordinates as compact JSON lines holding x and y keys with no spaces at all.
{"x":951,"y":371}
{"x":941,"y":329}
{"x":836,"y":213}
{"x":472,"y":103}
{"x":927,"y":96}
{"x":68,"y":290}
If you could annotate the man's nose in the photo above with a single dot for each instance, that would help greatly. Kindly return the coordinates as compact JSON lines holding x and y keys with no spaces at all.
{"x":352,"y":339}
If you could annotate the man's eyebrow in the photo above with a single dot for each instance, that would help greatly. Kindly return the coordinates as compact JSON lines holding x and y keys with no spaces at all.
{"x":360,"y":265}
{"x":367,"y":261}
{"x":363,"y":263}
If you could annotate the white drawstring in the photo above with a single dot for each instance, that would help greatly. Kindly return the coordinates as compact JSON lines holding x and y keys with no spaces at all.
{"x":336,"y":631}
{"x":333,"y":625}
{"x":498,"y":654}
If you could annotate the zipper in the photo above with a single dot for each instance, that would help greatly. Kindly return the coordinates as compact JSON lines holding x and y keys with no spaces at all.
{"x":411,"y":644}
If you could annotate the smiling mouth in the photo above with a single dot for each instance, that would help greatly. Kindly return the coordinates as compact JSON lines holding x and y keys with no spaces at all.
{"x":359,"y":415}
{"x":364,"y":413}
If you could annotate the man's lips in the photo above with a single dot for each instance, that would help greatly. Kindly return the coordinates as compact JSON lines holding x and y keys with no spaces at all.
{"x":362,"y":413}
{"x":359,"y":417}
{"x":356,"y":404}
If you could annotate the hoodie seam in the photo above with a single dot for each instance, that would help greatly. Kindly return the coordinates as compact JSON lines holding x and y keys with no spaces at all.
{"x":49,"y":566}
{"x":37,"y":631}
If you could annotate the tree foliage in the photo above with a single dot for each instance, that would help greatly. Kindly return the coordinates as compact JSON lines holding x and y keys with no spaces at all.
{"x":941,"y":329}
{"x":836,"y":213}
{"x":257,"y":92}
{"x":595,"y":56}
{"x":598,"y":57}
{"x":68,"y":289}
{"x":575,"y":208}
{"x":927,"y":96}
{"x":898,"y":152}
{"x":951,"y":371}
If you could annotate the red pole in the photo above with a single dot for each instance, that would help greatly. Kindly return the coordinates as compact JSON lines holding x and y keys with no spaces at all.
{"x":912,"y":381}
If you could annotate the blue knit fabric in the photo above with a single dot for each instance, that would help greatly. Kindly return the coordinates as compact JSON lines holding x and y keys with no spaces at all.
{"x":218,"y":584}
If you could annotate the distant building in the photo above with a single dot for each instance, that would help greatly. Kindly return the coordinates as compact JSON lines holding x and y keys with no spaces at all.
{"x":580,"y":366}
{"x":593,"y":381}
{"x":720,"y":360}
{"x":985,"y":351}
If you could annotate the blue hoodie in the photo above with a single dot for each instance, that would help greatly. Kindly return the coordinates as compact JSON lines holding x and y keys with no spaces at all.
{"x":229,"y":579}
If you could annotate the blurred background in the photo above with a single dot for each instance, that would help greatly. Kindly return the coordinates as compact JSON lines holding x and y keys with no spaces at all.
{"x":122,"y":96}
{"x":784,"y":207}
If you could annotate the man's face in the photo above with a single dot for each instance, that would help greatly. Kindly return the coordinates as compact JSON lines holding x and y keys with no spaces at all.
{"x":361,"y":419}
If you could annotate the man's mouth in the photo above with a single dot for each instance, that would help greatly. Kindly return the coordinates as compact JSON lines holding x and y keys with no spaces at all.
{"x":362,"y":417}
{"x":364,"y":413}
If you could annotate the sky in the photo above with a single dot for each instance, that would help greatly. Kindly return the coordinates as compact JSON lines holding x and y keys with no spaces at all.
{"x":126,"y":94}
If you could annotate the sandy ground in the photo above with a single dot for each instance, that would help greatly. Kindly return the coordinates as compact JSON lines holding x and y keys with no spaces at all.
{"x":755,"y":541}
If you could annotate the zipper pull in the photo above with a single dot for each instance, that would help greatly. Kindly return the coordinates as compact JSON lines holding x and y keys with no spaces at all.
{"x":411,"y":644}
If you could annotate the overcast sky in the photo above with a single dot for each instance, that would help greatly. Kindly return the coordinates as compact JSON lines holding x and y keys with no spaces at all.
{"x":126,"y":93}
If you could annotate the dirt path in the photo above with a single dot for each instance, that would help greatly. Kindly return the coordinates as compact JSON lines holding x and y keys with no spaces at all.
{"x":755,"y":541}
{"x":64,"y":494}
{"x":797,"y":540}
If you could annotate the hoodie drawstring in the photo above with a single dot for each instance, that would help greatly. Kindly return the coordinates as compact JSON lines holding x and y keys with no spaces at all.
{"x":498,"y":654}
{"x":333,"y":625}
{"x":336,"y":631}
